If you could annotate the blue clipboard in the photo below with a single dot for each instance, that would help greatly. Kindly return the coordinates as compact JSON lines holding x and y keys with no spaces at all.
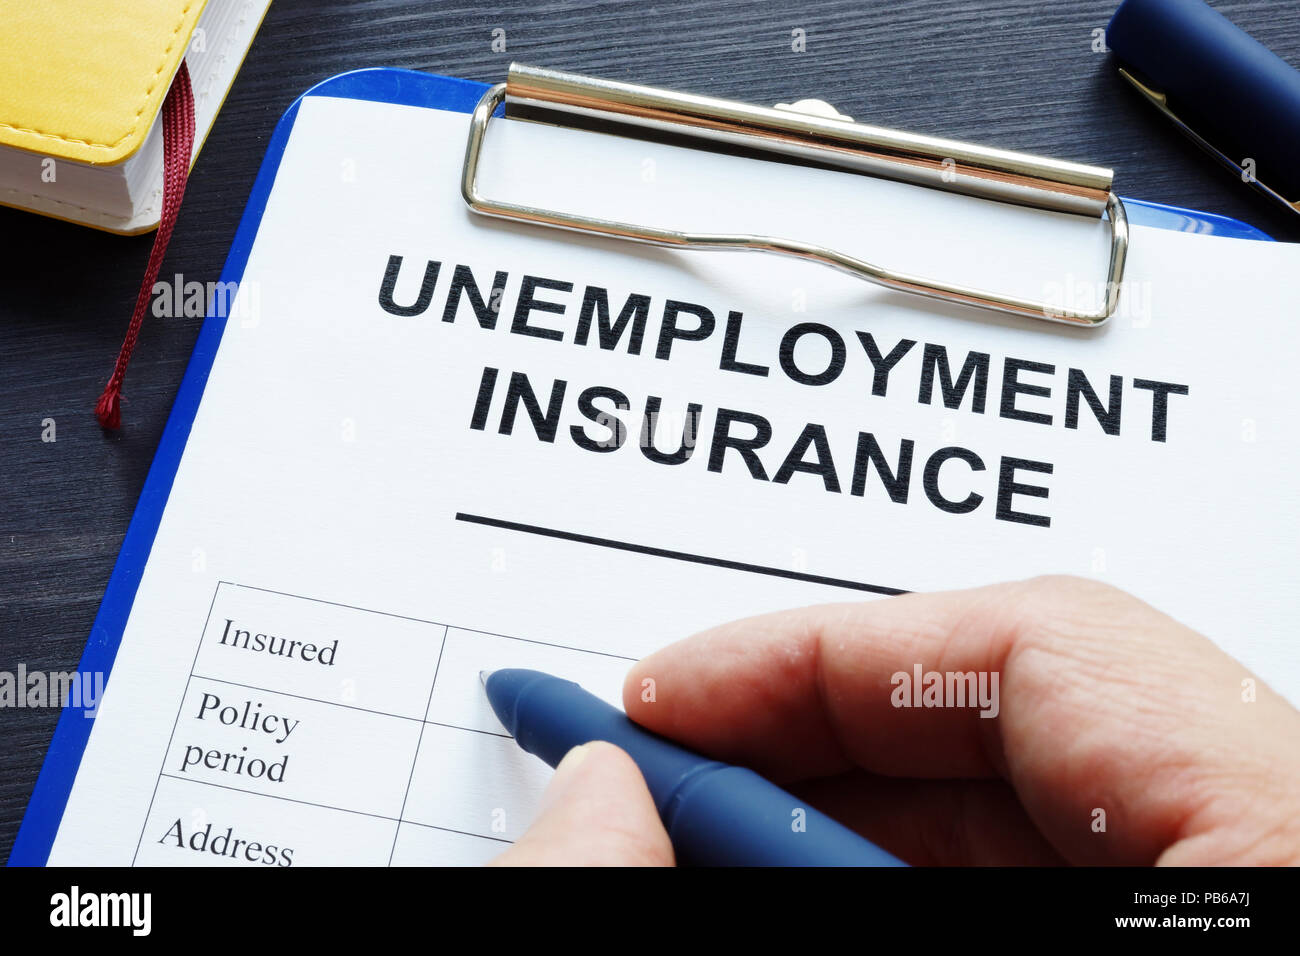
{"x":406,"y":88}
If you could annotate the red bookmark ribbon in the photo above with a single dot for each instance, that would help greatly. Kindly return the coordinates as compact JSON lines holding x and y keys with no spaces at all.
{"x":178,"y":145}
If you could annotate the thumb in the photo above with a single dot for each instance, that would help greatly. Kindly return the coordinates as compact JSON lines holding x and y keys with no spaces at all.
{"x":596,"y":811}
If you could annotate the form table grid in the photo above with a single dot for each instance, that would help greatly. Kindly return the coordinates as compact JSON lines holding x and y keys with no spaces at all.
{"x":355,"y":690}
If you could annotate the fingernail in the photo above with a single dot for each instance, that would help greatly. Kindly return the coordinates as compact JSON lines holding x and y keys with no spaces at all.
{"x":564,"y":774}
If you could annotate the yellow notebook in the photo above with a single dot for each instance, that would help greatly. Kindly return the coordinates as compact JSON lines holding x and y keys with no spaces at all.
{"x":81,"y":86}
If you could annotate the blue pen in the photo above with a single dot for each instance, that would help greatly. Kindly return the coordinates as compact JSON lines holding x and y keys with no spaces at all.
{"x":715,"y":814}
{"x":1227,"y":91}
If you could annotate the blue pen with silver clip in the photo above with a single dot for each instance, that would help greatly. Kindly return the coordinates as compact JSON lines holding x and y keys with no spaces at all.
{"x":1234,"y":97}
{"x":715,"y":814}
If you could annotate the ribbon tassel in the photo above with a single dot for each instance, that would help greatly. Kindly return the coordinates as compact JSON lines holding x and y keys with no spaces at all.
{"x":178,"y":145}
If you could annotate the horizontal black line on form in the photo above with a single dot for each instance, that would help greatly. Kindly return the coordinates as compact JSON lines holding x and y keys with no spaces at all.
{"x":675,"y":555}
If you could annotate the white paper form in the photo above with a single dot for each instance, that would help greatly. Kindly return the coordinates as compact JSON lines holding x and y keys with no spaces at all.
{"x":366,"y":514}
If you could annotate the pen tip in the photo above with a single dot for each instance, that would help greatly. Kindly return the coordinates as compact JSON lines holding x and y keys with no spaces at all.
{"x":483,"y":676}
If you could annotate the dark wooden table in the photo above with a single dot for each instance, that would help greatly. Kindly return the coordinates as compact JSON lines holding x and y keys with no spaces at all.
{"x":1014,"y":73}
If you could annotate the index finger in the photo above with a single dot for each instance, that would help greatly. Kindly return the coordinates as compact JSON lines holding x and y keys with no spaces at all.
{"x":1104,"y":706}
{"x":818,"y":690}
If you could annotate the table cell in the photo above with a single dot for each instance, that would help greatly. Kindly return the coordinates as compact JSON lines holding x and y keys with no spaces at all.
{"x":507,"y":783}
{"x":292,"y":747}
{"x":195,"y":824}
{"x":323,"y":651}
{"x":429,"y":846}
{"x":458,"y":697}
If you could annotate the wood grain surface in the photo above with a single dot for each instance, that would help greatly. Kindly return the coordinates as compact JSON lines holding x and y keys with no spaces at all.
{"x":1012,"y":73}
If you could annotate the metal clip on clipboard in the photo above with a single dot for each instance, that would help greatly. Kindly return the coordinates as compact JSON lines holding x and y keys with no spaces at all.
{"x":979,"y":171}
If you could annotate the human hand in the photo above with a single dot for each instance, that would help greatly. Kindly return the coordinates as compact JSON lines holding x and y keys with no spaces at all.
{"x":1121,"y":737}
